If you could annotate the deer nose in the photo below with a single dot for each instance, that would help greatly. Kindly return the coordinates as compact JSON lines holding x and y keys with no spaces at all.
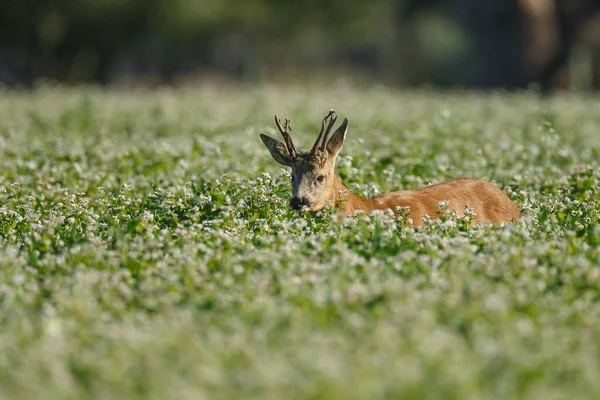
{"x":298,"y":203}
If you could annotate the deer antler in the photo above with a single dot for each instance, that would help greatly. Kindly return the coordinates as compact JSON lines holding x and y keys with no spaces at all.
{"x":332,"y":118}
{"x":285,"y":132}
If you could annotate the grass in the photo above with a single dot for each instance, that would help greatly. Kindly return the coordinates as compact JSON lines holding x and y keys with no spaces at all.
{"x":148,"y":250}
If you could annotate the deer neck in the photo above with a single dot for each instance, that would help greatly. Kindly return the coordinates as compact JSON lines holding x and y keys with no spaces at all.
{"x":346,"y":201}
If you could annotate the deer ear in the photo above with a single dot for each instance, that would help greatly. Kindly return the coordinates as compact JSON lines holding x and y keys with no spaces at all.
{"x":337,"y":139}
{"x":277,"y":150}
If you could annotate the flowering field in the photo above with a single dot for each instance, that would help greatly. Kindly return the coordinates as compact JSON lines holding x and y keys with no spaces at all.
{"x":147,"y":249}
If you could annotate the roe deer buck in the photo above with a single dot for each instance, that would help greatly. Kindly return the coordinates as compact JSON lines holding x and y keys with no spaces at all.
{"x":315,"y":184}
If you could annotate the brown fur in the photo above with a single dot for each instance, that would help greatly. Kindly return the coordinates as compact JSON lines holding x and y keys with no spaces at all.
{"x":488,"y":202}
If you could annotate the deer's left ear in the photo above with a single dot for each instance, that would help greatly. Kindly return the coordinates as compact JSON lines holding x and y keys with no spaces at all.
{"x":277,"y":150}
{"x":334,"y":145}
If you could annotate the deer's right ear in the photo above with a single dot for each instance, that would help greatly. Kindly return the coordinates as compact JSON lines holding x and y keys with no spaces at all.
{"x":277,"y":150}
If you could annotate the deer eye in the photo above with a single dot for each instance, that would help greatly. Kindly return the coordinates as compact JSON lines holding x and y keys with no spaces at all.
{"x":320,"y":178}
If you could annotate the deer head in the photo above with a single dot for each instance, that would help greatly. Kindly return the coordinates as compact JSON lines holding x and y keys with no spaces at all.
{"x":313,"y":176}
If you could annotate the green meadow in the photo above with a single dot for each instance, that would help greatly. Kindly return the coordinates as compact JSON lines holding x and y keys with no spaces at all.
{"x":148,"y":251}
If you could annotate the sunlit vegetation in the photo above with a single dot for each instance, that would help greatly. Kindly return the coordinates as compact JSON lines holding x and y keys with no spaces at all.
{"x":147,"y":249}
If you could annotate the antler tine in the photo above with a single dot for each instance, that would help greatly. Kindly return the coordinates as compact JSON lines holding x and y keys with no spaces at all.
{"x":286,"y":136}
{"x":320,"y":137}
{"x":314,"y":148}
{"x":332,"y":120}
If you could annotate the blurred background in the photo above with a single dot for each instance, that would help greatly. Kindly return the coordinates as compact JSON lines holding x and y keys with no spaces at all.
{"x":442,"y":43}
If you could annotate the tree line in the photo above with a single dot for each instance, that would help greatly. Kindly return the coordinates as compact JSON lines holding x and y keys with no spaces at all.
{"x":473,"y":43}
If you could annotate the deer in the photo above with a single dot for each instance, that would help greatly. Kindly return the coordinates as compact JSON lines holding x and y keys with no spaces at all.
{"x":315,"y":185}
